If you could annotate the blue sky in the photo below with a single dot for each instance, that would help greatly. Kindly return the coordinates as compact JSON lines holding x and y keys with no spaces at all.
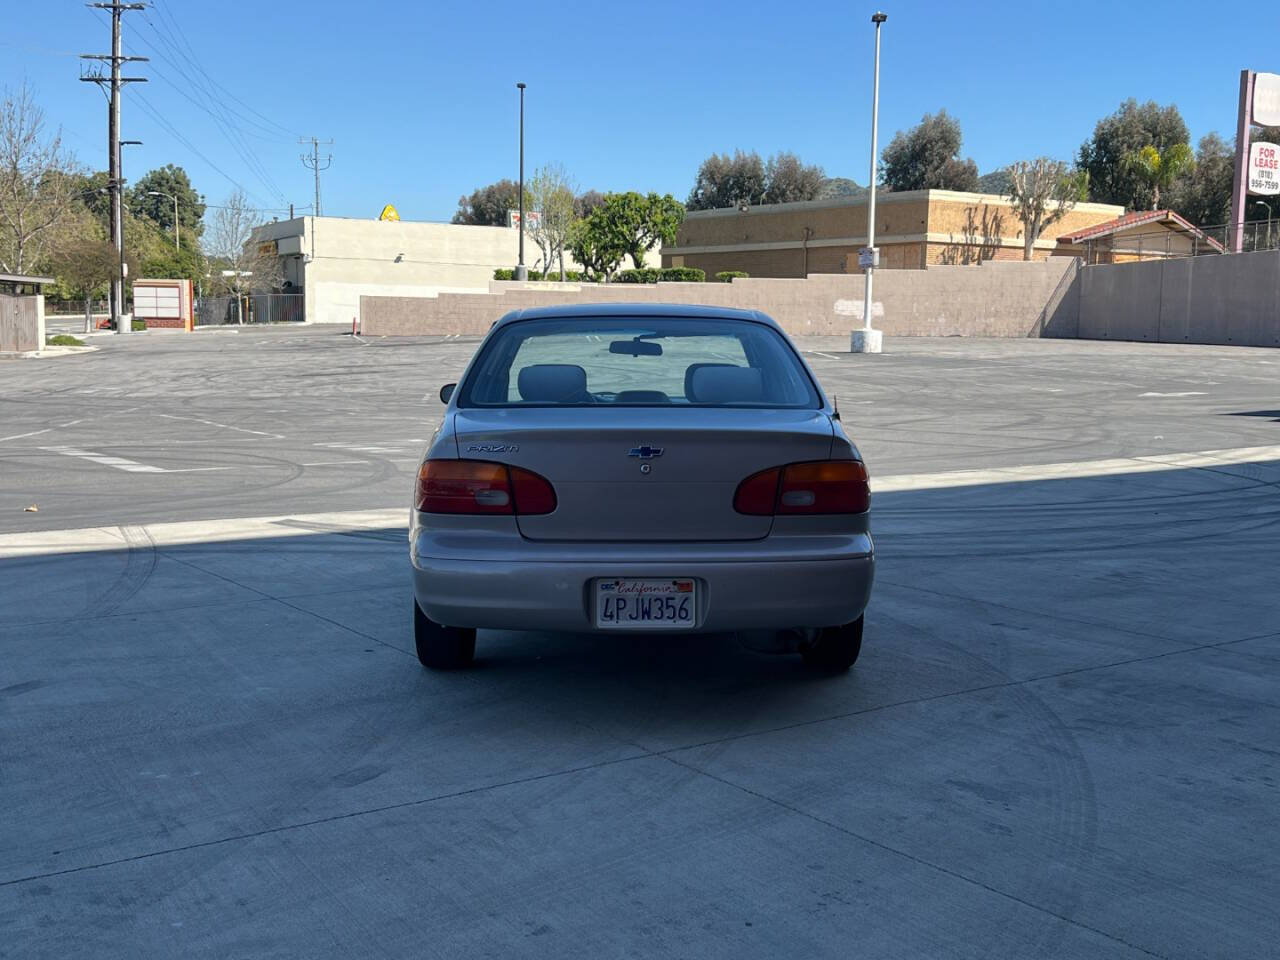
{"x":420,"y":97}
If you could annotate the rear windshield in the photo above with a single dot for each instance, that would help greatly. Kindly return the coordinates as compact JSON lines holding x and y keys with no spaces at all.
{"x":672,"y":361}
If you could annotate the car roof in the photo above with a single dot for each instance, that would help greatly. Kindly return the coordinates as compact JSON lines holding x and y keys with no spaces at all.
{"x":594,"y":311}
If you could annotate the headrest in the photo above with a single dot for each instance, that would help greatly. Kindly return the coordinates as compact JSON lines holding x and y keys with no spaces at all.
{"x":727,"y":385}
{"x":688,"y":378}
{"x":553,"y":383}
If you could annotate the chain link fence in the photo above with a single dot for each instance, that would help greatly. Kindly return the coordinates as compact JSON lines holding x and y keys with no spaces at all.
{"x":251,"y":308}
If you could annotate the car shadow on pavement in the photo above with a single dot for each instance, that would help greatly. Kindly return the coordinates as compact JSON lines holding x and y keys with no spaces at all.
{"x":1057,"y":676}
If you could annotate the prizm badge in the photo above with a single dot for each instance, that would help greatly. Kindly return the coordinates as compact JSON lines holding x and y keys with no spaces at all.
{"x":493,"y":448}
{"x":645,"y":452}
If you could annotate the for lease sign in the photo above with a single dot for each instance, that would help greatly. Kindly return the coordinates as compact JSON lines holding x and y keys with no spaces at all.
{"x":1264,"y":168}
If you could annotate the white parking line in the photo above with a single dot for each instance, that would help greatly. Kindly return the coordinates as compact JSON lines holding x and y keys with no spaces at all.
{"x":1185,"y":393}
{"x":224,"y":426}
{"x":1208,"y":459}
{"x":120,"y":463}
{"x":37,"y":543}
{"x":19,"y":436}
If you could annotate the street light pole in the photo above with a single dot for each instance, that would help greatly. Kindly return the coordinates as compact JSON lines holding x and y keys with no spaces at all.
{"x":868,"y":340}
{"x":1259,"y":203}
{"x":521,"y":272}
{"x":157,"y":193}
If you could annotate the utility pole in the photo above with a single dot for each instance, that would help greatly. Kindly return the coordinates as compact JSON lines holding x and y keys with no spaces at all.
{"x":115,"y":180}
{"x":522,"y":272}
{"x":868,"y":340}
{"x":313,"y":162}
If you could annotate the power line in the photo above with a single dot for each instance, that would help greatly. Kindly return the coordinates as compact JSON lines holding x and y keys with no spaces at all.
{"x":222,"y":117}
{"x":164,"y":12}
{"x":177,"y":135}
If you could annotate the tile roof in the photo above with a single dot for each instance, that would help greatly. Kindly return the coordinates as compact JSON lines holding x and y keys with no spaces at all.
{"x":1138,"y":217}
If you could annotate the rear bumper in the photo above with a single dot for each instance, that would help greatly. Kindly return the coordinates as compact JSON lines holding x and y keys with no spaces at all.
{"x":753,"y":585}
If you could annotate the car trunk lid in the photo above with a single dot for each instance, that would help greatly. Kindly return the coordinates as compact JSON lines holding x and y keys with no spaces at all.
{"x":644,"y":474}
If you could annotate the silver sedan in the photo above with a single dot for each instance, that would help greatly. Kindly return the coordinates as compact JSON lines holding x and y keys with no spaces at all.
{"x":613,"y":468}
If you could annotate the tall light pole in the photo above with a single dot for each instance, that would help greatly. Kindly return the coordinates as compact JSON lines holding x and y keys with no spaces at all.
{"x":522,"y":272}
{"x":867,"y":340}
{"x":157,"y":193}
{"x":1259,"y":203}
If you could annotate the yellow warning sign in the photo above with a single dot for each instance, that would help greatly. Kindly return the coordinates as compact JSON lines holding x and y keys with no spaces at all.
{"x":389,"y":213}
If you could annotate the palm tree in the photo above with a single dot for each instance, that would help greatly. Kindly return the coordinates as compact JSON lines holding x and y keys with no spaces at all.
{"x":1160,"y":168}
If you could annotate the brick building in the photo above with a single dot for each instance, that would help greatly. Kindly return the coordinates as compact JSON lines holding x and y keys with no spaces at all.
{"x":914,"y":229}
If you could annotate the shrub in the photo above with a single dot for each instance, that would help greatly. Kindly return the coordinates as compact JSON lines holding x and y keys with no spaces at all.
{"x":63,"y":340}
{"x":644,"y":275}
{"x":510,"y":274}
{"x":682,"y":275}
{"x":728,"y":276}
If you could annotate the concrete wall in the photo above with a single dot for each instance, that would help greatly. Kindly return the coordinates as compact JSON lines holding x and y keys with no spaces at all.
{"x":1210,"y":299}
{"x":991,"y":300}
{"x":336,"y":260}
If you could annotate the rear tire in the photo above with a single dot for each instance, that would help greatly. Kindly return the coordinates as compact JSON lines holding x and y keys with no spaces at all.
{"x":835,"y":648}
{"x":440,"y":647}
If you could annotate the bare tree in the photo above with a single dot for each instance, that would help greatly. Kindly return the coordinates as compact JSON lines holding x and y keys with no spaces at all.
{"x":1042,"y":192}
{"x":241,"y":264}
{"x":37,"y":182}
{"x":551,"y":193}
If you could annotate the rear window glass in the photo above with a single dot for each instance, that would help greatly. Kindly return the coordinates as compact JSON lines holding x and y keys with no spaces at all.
{"x":638,"y":362}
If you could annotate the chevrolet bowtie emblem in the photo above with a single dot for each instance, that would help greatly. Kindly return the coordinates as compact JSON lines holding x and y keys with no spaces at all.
{"x":645,"y":452}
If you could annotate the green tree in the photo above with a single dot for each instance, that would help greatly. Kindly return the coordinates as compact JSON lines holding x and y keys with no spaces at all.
{"x":1122,"y":134}
{"x":171,"y":181}
{"x":84,"y":265}
{"x":551,"y":194}
{"x":586,"y":201}
{"x":1203,"y":196}
{"x":38,"y":183}
{"x":638,"y":222}
{"x":598,"y":244}
{"x":744,"y":179}
{"x":489,"y":206}
{"x":663,"y":216}
{"x":1042,"y":192}
{"x":725,"y":181}
{"x":927,"y":157}
{"x":788,"y":180}
{"x":1158,"y":169}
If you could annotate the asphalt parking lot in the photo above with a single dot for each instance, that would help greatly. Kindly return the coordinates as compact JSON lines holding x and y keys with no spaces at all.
{"x":1060,"y":740}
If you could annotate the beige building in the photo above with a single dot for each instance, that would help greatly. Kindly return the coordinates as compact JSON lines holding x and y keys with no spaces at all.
{"x":914,"y":229}
{"x":1141,"y":235}
{"x":336,"y":260}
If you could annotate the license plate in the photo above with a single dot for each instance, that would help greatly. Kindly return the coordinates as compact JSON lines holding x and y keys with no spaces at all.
{"x":646,"y":604}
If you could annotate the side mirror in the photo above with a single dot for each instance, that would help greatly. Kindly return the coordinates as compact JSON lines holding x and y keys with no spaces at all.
{"x":447,"y":391}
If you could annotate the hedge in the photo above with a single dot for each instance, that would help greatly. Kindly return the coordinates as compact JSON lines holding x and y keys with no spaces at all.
{"x":728,"y":276}
{"x":569,"y":275}
{"x":683,"y":275}
{"x":645,"y":275}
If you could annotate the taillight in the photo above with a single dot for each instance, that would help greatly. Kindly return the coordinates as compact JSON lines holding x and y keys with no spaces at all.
{"x":480,"y":487}
{"x":816,"y":487}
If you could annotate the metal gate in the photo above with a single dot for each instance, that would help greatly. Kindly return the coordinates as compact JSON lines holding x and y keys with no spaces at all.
{"x":250,"y":308}
{"x":19,"y":324}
